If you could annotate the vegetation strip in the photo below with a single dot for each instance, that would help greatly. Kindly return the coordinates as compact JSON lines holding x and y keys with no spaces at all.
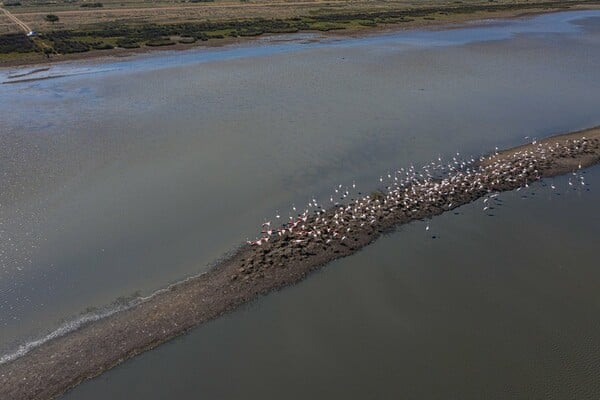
{"x":49,"y":370}
{"x":121,"y":34}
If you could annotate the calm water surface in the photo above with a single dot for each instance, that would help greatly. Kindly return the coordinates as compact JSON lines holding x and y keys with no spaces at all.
{"x":493,"y":308}
{"x":122,"y":177}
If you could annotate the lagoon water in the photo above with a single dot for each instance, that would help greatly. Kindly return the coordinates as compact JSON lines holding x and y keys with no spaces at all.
{"x":120,"y":177}
{"x":493,"y":308}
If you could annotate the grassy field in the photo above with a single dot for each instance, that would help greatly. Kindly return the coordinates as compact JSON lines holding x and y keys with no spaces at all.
{"x":88,"y":25}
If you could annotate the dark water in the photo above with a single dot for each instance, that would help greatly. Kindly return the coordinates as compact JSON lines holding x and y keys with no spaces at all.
{"x":494,"y":308}
{"x":126,"y":176}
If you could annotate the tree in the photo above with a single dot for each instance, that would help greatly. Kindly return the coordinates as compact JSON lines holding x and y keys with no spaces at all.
{"x":51,"y":18}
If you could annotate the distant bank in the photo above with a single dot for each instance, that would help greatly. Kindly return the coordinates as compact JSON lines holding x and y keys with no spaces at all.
{"x":91,"y":39}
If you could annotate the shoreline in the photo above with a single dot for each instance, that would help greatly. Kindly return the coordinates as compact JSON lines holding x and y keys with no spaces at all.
{"x":455,"y":21}
{"x":61,"y":363}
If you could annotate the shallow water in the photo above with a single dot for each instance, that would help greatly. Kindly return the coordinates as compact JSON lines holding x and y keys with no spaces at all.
{"x":494,"y":307}
{"x":141,"y":172}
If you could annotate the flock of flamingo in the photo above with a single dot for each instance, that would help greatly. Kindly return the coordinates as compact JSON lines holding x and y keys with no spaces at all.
{"x":411,"y":191}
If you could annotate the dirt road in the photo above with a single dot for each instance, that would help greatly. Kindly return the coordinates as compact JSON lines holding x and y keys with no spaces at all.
{"x":17,"y":21}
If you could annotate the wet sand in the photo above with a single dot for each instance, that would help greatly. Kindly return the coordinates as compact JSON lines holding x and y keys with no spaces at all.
{"x":51,"y":369}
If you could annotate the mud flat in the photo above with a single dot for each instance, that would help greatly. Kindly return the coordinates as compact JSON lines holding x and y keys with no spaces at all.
{"x":55,"y":366}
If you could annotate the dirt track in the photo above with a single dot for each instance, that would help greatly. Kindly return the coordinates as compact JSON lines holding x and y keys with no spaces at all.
{"x":16,"y":20}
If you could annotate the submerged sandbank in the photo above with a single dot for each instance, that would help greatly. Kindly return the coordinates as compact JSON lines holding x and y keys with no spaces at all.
{"x":63,"y":362}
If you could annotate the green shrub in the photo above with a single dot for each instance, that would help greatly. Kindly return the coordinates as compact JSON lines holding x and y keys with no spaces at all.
{"x":160,"y":42}
{"x":127,"y":43}
{"x":16,"y":43}
{"x":102,"y":46}
{"x":250,"y":32}
{"x":51,"y":18}
{"x":368,"y":23}
{"x":70,"y":46}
